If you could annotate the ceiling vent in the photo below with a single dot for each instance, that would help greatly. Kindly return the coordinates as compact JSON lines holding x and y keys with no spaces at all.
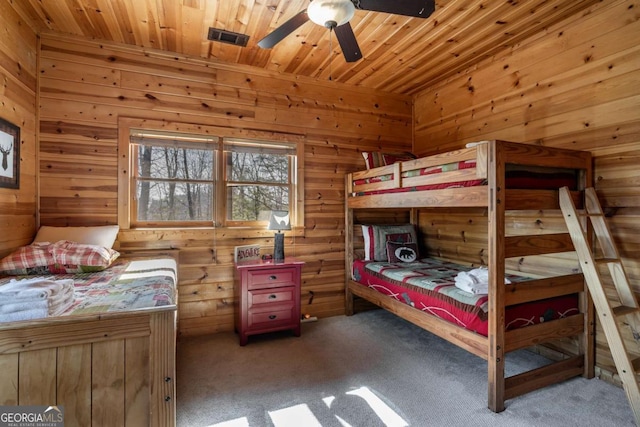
{"x":224,"y":36}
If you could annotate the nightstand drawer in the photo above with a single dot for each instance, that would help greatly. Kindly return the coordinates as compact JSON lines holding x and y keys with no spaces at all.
{"x":271,"y":278}
{"x":271,"y":318}
{"x":270,"y":296}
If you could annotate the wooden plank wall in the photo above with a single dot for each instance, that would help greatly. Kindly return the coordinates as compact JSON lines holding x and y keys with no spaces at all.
{"x":85,"y":86}
{"x":18,"y":77}
{"x":573,"y":86}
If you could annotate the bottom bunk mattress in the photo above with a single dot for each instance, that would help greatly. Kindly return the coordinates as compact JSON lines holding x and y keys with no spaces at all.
{"x":429,"y":286}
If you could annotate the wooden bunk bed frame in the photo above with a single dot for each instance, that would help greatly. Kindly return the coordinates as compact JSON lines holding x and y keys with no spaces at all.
{"x":491,"y":158}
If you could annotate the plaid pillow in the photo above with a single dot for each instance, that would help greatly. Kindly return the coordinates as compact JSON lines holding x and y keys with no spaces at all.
{"x":70,"y":257}
{"x":30,"y":259}
{"x":62,"y":257}
{"x":375,"y":238}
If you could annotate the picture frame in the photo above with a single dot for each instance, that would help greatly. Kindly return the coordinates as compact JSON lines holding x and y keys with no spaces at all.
{"x":9,"y":155}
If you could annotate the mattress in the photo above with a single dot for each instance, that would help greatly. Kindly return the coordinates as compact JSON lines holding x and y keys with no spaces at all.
{"x":429,"y":286}
{"x":128,"y":284}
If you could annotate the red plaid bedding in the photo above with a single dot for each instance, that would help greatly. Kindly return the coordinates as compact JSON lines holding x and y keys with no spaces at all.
{"x":59,"y":257}
{"x":429,"y":286}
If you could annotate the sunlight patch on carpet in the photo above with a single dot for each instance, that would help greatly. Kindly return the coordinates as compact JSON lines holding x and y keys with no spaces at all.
{"x":294,"y":416}
{"x":238,"y":422}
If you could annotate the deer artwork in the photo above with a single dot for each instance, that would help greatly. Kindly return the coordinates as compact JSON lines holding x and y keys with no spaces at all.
{"x":5,"y":153}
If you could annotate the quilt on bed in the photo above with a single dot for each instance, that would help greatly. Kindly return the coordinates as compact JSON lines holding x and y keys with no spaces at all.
{"x":128,"y":284}
{"x":428,"y":285}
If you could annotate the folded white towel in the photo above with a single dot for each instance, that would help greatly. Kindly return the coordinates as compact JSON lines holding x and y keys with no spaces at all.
{"x":475,"y":281}
{"x":22,"y":305}
{"x":469,"y":283}
{"x":23,"y":299}
{"x":32,"y":289}
{"x":36,"y":313}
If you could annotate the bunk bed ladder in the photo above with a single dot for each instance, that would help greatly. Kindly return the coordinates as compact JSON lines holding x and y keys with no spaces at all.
{"x":611,"y":312}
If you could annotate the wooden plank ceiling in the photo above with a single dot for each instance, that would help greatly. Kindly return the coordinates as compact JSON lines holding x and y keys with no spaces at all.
{"x":401,"y":54}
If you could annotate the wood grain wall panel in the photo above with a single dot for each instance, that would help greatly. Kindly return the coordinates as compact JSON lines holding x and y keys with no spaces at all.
{"x":572,"y":86}
{"x":137,"y":381}
{"x":108,"y":383}
{"x":9,"y":365}
{"x":18,"y":65}
{"x":37,"y":383}
{"x":74,"y":383}
{"x":86,"y":86}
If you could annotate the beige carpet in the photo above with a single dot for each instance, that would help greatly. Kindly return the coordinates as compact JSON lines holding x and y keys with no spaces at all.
{"x":372,"y":369}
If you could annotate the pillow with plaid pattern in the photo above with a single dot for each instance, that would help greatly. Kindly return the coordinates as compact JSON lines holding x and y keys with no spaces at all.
{"x":71,"y":257}
{"x":62,"y":257}
{"x":30,"y":259}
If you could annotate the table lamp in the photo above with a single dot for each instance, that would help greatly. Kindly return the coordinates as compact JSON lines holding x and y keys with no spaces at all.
{"x":279,"y":220}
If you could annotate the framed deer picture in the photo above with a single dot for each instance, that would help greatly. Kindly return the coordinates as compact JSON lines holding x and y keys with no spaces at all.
{"x":9,"y":155}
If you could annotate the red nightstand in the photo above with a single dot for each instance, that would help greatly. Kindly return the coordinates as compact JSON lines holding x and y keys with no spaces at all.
{"x":267,"y":297}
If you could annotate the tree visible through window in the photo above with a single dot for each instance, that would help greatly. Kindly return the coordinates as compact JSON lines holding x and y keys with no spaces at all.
{"x":258,"y":180}
{"x":176,"y":179}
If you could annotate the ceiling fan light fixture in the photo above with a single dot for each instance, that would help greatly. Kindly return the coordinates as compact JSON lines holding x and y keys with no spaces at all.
{"x":330,"y":13}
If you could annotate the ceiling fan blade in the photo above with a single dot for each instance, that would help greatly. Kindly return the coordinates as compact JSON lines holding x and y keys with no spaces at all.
{"x":348,"y":43}
{"x":271,"y":39}
{"x":415,"y":8}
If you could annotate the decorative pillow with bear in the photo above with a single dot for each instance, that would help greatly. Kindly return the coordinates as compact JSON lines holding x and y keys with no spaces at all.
{"x":375,"y":239}
{"x":402,"y":252}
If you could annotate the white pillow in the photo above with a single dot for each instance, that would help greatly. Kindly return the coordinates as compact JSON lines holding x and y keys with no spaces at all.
{"x":104,"y":235}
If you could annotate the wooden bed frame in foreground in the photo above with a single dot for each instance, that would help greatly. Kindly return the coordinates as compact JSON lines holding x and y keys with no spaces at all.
{"x":491,"y":158}
{"x":105,"y":369}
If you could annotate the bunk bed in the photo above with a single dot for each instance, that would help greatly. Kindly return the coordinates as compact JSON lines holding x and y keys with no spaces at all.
{"x":497,"y":176}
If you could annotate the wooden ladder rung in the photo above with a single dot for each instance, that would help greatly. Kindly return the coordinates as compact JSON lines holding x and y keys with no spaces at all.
{"x":636,"y":365}
{"x":606,"y":260}
{"x":623,"y":310}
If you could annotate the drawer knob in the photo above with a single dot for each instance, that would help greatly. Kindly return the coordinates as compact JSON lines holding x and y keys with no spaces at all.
{"x":273,"y":316}
{"x":272,"y":296}
{"x":273,"y":277}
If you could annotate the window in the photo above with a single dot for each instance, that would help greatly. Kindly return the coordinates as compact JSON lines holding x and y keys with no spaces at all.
{"x":193,"y":179}
{"x":174,"y":178}
{"x":259,"y":178}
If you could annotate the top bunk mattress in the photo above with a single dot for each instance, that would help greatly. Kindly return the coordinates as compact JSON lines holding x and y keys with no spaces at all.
{"x":429,"y":286}
{"x":129,"y":284}
{"x":515,"y":178}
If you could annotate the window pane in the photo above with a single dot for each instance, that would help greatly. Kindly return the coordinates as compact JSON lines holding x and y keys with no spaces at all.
{"x":246,"y":202}
{"x":258,"y":167}
{"x":174,"y":201}
{"x":172,"y":162}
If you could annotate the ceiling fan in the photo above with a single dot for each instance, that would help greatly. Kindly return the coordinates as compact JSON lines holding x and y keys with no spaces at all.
{"x":335,"y":15}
